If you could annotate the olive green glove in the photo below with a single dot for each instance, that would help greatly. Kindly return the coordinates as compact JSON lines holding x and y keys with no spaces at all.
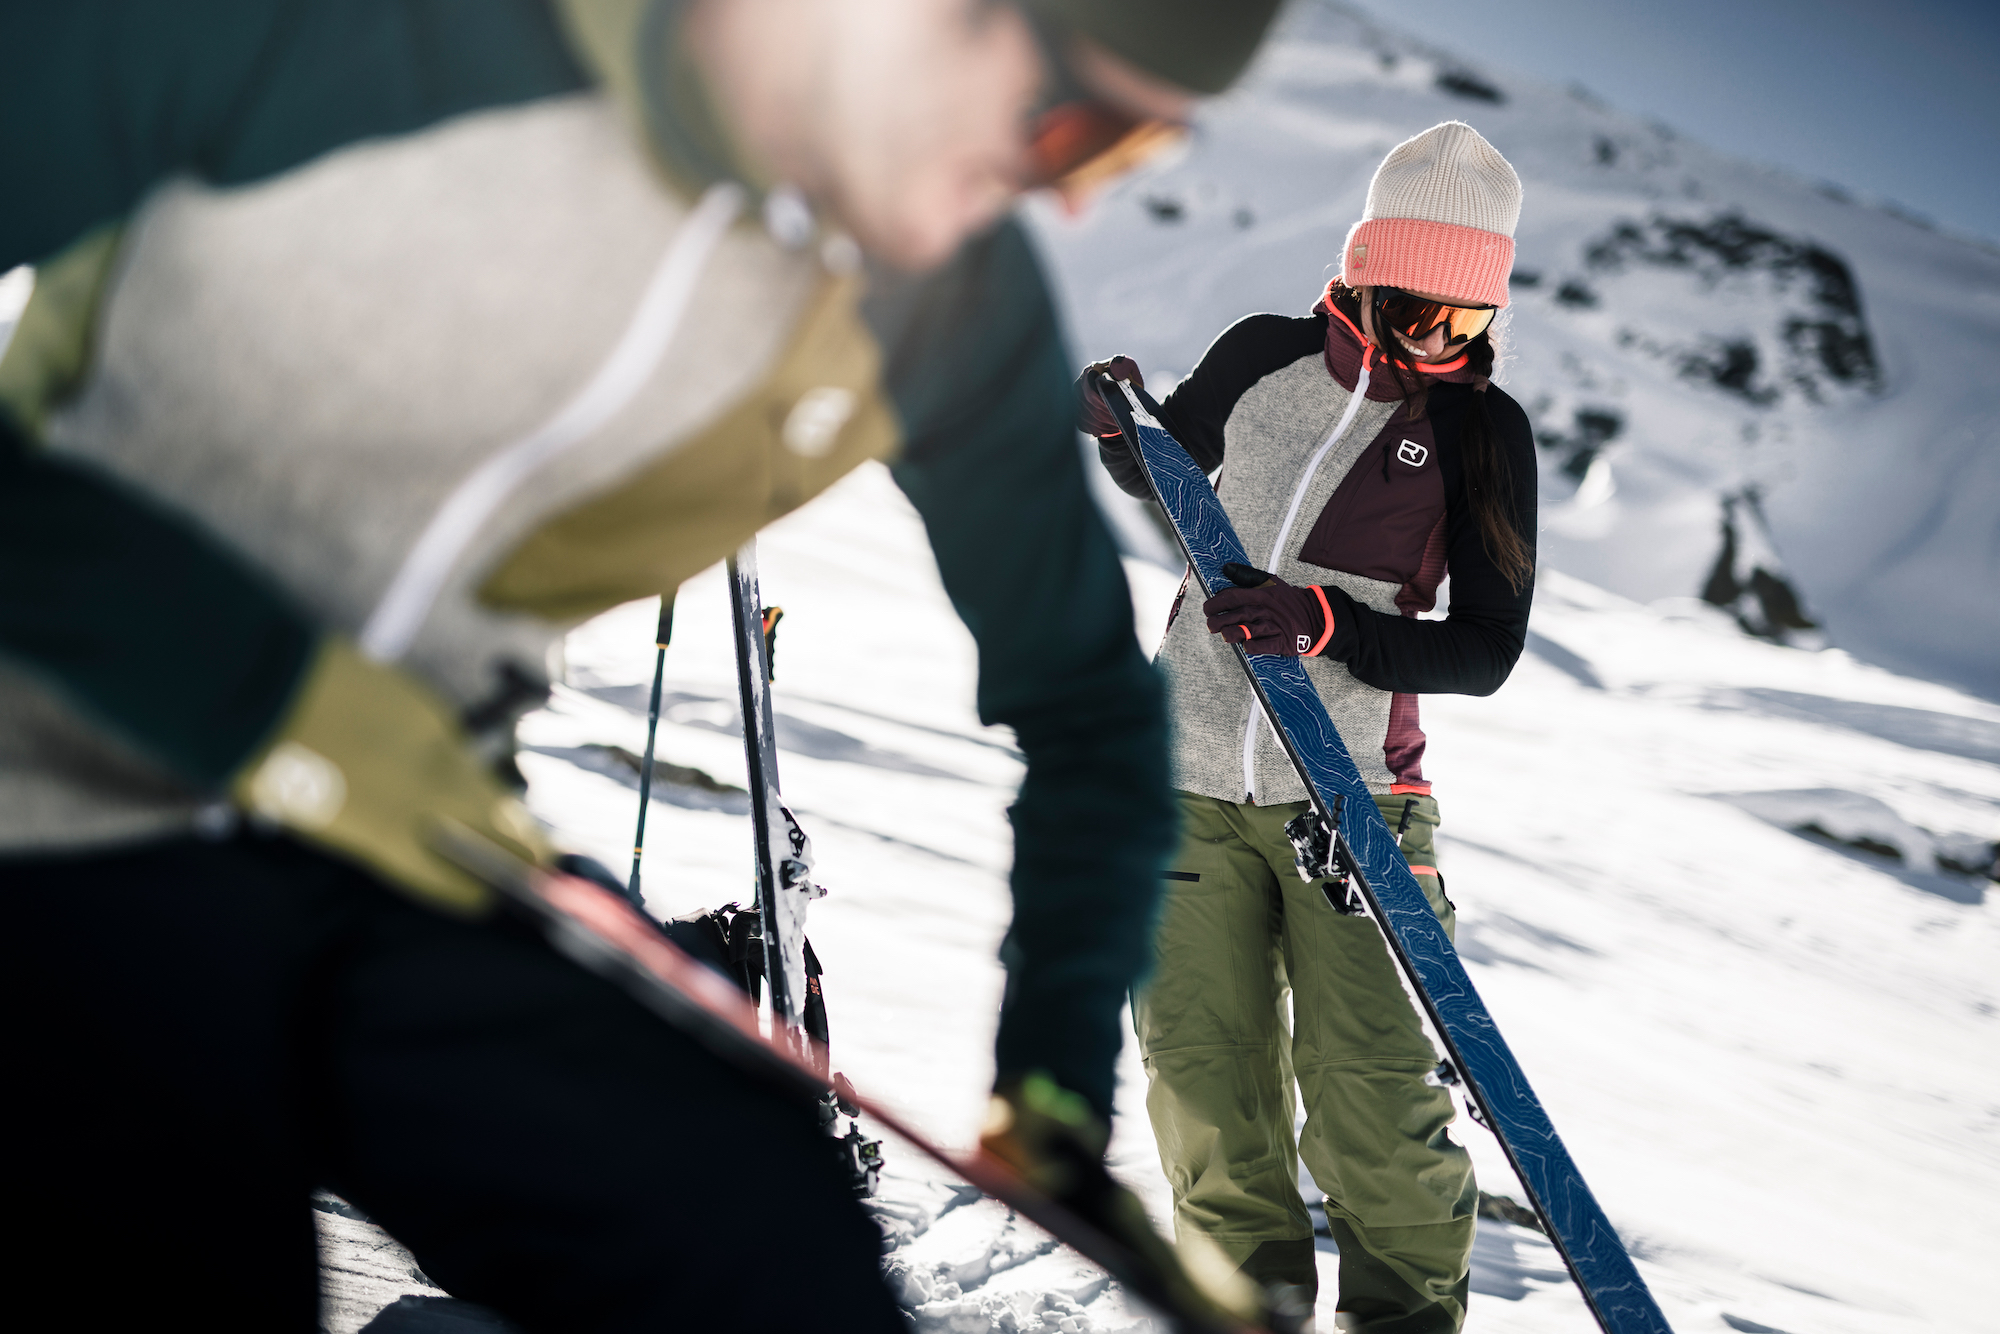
{"x":1050,"y":1137}
{"x":1055,"y":1141}
{"x":366,"y":763}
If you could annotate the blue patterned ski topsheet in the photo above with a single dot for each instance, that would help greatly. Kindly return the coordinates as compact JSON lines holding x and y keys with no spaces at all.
{"x":1592,"y":1250}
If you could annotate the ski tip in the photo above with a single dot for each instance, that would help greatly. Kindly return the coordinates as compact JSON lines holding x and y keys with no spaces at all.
{"x":1109,"y":389}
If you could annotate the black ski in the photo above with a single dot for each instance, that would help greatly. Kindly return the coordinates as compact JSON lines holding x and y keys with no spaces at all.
{"x":779,"y":847}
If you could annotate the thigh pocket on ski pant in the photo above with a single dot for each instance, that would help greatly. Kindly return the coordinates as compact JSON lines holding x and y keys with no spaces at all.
{"x":1217,"y":976}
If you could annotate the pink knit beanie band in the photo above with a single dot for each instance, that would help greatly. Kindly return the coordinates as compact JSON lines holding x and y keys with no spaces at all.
{"x":1417,"y":255}
{"x":1440,"y":218}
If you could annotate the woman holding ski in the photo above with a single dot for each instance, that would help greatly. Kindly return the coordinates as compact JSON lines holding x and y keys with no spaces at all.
{"x":1364,"y":454}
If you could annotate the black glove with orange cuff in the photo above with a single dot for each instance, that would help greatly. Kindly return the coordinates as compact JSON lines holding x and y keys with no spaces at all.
{"x":1267,"y":615}
{"x":1092,"y":417}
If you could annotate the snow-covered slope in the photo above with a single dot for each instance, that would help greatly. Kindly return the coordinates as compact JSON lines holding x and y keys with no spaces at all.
{"x":1770,"y":1051}
{"x":1700,"y":342}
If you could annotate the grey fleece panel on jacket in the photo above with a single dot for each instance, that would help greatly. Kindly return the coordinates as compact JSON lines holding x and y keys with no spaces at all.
{"x":310,"y":366}
{"x":1270,"y":439}
{"x":386,"y":319}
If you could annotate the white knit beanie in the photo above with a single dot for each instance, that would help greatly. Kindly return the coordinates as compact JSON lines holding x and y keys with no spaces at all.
{"x":1440,"y":218}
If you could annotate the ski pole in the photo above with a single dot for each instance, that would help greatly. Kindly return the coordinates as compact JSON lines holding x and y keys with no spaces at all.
{"x":661,"y":638}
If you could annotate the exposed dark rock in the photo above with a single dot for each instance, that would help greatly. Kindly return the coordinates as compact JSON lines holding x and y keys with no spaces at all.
{"x":1762,"y":599}
{"x":1607,"y":152}
{"x":1842,"y":347}
{"x":1576,"y":295}
{"x":1525,"y":278}
{"x":1165,"y":209}
{"x":1819,"y":329}
{"x":1731,"y":367}
{"x":1243,"y":217}
{"x":1594,"y":428}
{"x":1462,"y":83}
{"x":1989,"y":866}
{"x":1742,"y":1326}
{"x":1860,"y":842}
{"x":1505,"y":1209}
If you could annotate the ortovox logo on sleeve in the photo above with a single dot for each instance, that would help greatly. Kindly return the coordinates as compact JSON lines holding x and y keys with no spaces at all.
{"x":1412,"y":453}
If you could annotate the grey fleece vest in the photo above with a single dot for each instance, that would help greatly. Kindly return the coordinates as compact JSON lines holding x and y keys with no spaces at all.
{"x":1288,"y":444}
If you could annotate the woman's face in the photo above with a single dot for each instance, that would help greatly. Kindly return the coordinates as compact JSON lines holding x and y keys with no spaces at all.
{"x":1430,"y":349}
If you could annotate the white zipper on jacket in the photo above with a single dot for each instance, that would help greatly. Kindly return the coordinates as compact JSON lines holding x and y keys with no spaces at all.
{"x":392,"y":627}
{"x":1354,"y":402}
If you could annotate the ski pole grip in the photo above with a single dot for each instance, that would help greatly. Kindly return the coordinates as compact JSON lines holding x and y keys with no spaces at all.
{"x":664,"y":634}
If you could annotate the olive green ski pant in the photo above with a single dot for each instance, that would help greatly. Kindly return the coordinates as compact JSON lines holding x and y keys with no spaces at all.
{"x":1240,"y":936}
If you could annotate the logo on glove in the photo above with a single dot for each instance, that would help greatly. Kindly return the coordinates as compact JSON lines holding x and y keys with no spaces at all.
{"x":1412,"y":453}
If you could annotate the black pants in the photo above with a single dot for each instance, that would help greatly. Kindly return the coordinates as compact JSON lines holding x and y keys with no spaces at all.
{"x":197,"y":1034}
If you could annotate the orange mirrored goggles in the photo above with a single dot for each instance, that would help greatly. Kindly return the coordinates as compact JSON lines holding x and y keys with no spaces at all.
{"x":1414,"y":317}
{"x":1077,"y":146}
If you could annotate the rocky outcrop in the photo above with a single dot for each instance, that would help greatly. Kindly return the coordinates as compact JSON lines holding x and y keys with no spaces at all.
{"x":1816,"y":340}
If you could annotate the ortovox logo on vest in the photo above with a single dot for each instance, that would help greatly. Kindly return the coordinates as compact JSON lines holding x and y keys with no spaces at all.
{"x":1305,"y":642}
{"x":1412,"y":453}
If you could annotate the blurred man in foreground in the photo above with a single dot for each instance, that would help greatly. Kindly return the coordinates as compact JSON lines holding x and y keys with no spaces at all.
{"x":373,"y":346}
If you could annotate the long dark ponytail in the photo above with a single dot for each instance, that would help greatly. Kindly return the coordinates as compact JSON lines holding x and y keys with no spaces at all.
{"x":1489,"y":479}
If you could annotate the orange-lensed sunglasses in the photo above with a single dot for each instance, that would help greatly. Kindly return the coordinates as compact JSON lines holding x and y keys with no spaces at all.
{"x":1077,"y":141}
{"x":1415,"y":317}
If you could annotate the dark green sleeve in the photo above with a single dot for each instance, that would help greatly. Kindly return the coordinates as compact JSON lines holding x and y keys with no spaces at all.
{"x":980,"y":377}
{"x":102,"y":99}
{"x":144,"y":622}
{"x":141,"y":618}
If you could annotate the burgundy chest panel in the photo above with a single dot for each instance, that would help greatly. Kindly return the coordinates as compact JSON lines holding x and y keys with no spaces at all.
{"x":1378,"y":521}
